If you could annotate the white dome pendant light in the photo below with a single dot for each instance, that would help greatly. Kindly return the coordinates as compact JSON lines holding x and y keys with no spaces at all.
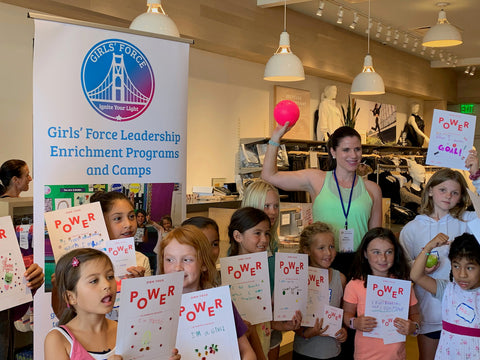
{"x":155,"y":20}
{"x":442,"y":34}
{"x":368,"y":82}
{"x":284,"y":65}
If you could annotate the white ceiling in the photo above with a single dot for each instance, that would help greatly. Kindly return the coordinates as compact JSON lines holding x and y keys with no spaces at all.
{"x":406,"y":16}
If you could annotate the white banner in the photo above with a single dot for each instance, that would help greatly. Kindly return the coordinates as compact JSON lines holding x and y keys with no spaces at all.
{"x":108,"y":108}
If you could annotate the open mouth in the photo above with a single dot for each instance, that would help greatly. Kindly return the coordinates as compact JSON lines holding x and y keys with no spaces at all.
{"x":107,"y":299}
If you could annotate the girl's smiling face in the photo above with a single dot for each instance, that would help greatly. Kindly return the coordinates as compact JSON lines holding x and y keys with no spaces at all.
{"x":445,"y":196}
{"x":121,"y":220}
{"x":253,"y":240}
{"x":322,"y":250}
{"x":183,"y":257}
{"x":380,"y":254}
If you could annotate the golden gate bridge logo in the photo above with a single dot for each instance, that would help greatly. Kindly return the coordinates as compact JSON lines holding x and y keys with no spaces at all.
{"x":117,"y":80}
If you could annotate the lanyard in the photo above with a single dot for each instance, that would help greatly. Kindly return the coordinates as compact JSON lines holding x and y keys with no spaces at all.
{"x":349,"y":199}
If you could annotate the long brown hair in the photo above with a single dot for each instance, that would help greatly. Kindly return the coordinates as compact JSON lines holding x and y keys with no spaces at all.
{"x":67,"y":276}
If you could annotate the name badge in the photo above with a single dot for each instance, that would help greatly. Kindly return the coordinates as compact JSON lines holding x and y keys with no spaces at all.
{"x":345,"y":240}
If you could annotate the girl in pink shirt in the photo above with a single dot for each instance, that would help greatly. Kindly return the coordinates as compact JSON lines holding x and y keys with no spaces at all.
{"x":379,"y":254}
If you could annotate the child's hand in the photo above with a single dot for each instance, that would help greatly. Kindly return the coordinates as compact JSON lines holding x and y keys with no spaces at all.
{"x":136,"y":271}
{"x":365,"y":323}
{"x":316,"y":330}
{"x":34,"y":276}
{"x":404,"y":327}
{"x":175,"y":355}
{"x":471,"y":162}
{"x":293,"y":324}
{"x":439,"y":240}
{"x":341,"y":335}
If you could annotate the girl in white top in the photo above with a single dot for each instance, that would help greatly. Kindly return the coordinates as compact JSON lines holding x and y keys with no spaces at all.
{"x":442,"y":211}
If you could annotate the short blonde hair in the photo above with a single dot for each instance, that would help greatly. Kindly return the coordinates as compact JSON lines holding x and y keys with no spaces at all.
{"x":306,"y":237}
{"x":255,"y":196}
{"x":194,"y":237}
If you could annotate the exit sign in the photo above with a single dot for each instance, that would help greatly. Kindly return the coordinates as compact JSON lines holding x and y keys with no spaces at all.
{"x":467,"y":108}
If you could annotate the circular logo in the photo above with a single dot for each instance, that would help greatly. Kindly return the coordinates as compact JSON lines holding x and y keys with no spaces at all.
{"x":117,"y":80}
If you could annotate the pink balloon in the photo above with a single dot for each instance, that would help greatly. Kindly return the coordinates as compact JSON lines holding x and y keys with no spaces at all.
{"x":286,"y":110}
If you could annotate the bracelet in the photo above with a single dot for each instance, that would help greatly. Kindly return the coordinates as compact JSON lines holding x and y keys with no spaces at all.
{"x":274,"y":143}
{"x":417,"y":329}
{"x":427,"y":253}
{"x":475,"y":176}
{"x":352,"y":325}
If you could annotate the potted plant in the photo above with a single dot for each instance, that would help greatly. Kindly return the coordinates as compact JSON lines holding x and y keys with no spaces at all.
{"x":350,"y":115}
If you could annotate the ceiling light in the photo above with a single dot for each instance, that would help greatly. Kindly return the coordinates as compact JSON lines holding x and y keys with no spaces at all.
{"x":472,"y":71}
{"x":379,"y":30}
{"x":405,"y":41}
{"x":368,"y":82}
{"x":321,"y":6}
{"x":467,"y":70}
{"x":284,"y":65}
{"x":442,"y":34}
{"x":155,"y":20}
{"x":355,"y":21}
{"x":340,"y":15}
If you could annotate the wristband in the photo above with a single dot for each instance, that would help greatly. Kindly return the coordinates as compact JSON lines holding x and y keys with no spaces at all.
{"x":417,"y":329}
{"x":352,"y":326}
{"x":274,"y":143}
{"x":475,"y":176}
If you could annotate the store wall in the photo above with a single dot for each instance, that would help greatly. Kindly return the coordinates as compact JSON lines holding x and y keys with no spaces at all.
{"x":227,"y":100}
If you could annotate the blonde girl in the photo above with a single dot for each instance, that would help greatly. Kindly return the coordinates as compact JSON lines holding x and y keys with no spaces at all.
{"x":318,"y":242}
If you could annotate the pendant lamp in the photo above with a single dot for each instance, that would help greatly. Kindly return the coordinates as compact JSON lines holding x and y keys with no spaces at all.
{"x":284,"y":65}
{"x":368,"y":82}
{"x":442,"y":34}
{"x":155,"y":20}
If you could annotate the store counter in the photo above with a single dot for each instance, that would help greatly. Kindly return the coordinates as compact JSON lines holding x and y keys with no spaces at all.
{"x":199,"y":207}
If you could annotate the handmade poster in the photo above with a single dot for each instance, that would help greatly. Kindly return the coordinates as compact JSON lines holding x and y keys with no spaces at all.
{"x":206,"y":329}
{"x":13,"y":286}
{"x":450,"y":139}
{"x":318,"y":295}
{"x":148,"y":322}
{"x":291,"y":285}
{"x":333,"y":317}
{"x":76,"y":227}
{"x":386,"y":300}
{"x":249,"y":283}
{"x":122,"y":254}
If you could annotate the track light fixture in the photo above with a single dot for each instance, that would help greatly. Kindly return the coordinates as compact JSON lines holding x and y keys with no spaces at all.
{"x":405,"y":41}
{"x":369,"y":27}
{"x":388,"y":38}
{"x":379,"y":30}
{"x":415,"y":45}
{"x":472,"y":71}
{"x":340,"y":15}
{"x":321,"y":6}
{"x":423,"y":50}
{"x":467,"y":70}
{"x":396,"y":37}
{"x":354,"y":23}
{"x":432,"y":52}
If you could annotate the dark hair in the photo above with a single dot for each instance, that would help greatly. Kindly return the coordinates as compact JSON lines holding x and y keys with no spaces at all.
{"x":194,"y":237}
{"x":439,"y":177}
{"x":106,"y":199}
{"x":464,"y":246}
{"x":361,"y":268}
{"x":201,"y":222}
{"x":67,"y":276}
{"x":8,"y":170}
{"x":166,"y":217}
{"x":141,"y":211}
{"x":242,"y":220}
{"x":334,"y":141}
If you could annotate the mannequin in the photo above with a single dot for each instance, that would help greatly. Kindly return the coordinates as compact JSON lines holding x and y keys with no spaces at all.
{"x":329,"y":117}
{"x":414,"y":128}
{"x":411,"y":192}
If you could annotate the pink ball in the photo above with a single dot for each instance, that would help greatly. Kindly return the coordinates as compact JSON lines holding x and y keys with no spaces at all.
{"x":286,"y":110}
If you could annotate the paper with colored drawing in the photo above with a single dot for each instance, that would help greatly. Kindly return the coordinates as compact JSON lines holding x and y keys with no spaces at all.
{"x":148,"y":320}
{"x":13,"y":285}
{"x":318,"y":295}
{"x":386,"y":300}
{"x":451,"y":138}
{"x":291,"y":285}
{"x":76,"y":227}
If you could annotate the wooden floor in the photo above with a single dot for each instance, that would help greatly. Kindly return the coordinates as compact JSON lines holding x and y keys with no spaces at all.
{"x":287,"y":345}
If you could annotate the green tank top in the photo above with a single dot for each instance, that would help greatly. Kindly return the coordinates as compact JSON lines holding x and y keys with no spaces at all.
{"x":328,"y":209}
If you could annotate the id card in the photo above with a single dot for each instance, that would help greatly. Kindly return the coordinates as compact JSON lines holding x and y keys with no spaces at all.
{"x":345,"y":240}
